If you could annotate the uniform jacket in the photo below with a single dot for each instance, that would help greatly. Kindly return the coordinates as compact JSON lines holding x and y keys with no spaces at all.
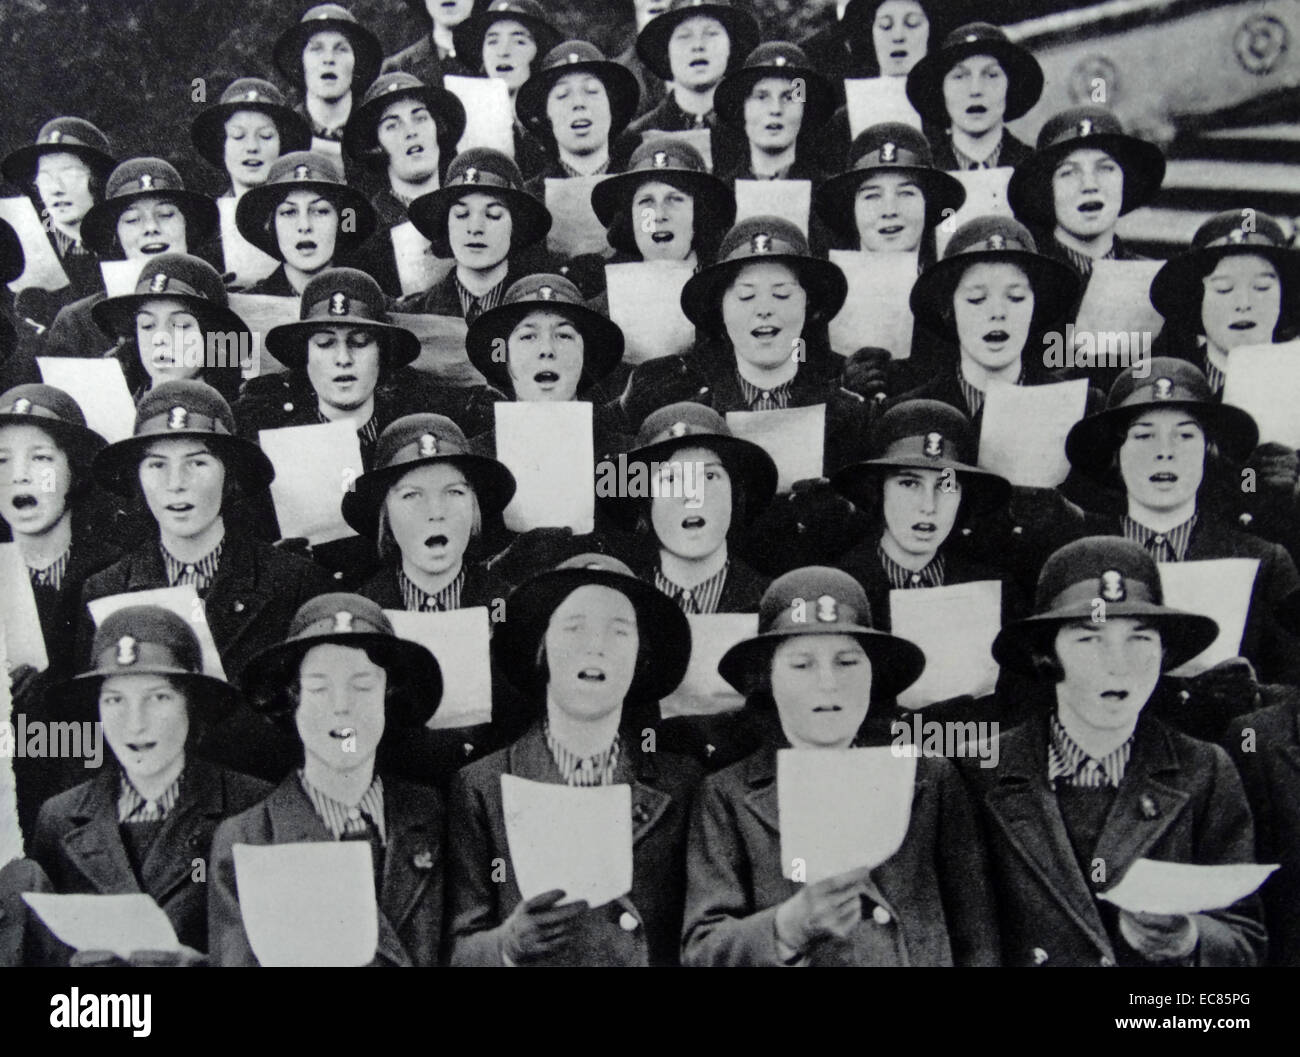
{"x":74,"y":332}
{"x":422,"y":60}
{"x":79,"y":846}
{"x":410,"y":896}
{"x":441,"y":299}
{"x":741,"y":591}
{"x":929,"y":904}
{"x":19,"y":930}
{"x":1014,"y":151}
{"x":641,"y":928}
{"x":274,"y":285}
{"x":1180,"y":800}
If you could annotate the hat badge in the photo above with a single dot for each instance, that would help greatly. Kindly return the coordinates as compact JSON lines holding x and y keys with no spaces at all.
{"x":828,"y":609}
{"x":428,"y":445}
{"x":1163,"y":389}
{"x":779,"y":61}
{"x":1112,"y":586}
{"x":1236,"y":236}
{"x":933,"y":445}
{"x":158,"y":283}
{"x":677,"y":429}
{"x":126,"y":651}
{"x":252,"y":95}
{"x":1085,"y":126}
{"x":971,"y":38}
{"x":997,"y":242}
{"x":661,"y":159}
{"x":573,"y":57}
{"x":546,"y":293}
{"x":338,"y":303}
{"x":342,"y":622}
{"x":146,"y":181}
{"x":22,"y":406}
{"x":761,"y":243}
{"x":54,"y":136}
{"x":301,"y":172}
{"x":888,"y":152}
{"x":471,"y":175}
{"x":178,"y":418}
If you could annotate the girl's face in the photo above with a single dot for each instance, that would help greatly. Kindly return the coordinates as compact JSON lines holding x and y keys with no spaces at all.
{"x":343,"y":365}
{"x":691,"y":514}
{"x":146,"y":721}
{"x":340,"y":713}
{"x":578,"y":110}
{"x":901,"y":35}
{"x":1242,"y":302}
{"x":252,"y":144}
{"x":34,"y":480}
{"x":327,"y":65}
{"x":544,"y":355}
{"x":773,"y":114}
{"x":479,"y":227}
{"x":1111,"y":669}
{"x":698,"y":51}
{"x":150,"y":226}
{"x":975,"y":94}
{"x":1162,"y":459}
{"x":920,"y":507}
{"x":63,"y":182}
{"x":663,"y":222}
{"x":169,"y":339}
{"x":182,"y":484}
{"x":764,"y":311}
{"x":431,"y":512}
{"x":993,"y":307}
{"x":822,"y":688}
{"x":508,"y":53}
{"x":1087,"y":192}
{"x":306,"y":230}
{"x":408,"y":134}
{"x":591,"y":650}
{"x":889,"y":210}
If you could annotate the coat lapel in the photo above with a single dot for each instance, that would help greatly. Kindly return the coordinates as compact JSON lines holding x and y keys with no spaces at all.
{"x":94,"y":846}
{"x":180,"y":838}
{"x":410,"y":843}
{"x":238,"y":594}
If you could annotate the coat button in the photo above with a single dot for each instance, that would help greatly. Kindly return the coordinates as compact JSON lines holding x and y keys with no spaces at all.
{"x":640,"y":814}
{"x":1039,"y":955}
{"x":881,"y":916}
{"x":288,"y":407}
{"x":1149,"y":807}
{"x":627,"y":921}
{"x":1106,"y":963}
{"x":239,"y":607}
{"x":468,"y":748}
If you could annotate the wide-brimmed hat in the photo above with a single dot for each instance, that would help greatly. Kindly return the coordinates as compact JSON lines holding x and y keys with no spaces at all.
{"x":414,"y":677}
{"x":992,"y":239}
{"x":145,"y":178}
{"x":1117,"y":572}
{"x":342,"y":297}
{"x":368,"y":52}
{"x":56,"y":413}
{"x":146,"y":640}
{"x":776,"y":58}
{"x":763,"y":239}
{"x":890,"y":147}
{"x":665,"y":159}
{"x":208,"y":132}
{"x":1083,"y":128}
{"x":12,"y":258}
{"x":421,"y":440}
{"x":360,"y":135}
{"x":1166,"y":384}
{"x":817,"y":600}
{"x":691,"y":425}
{"x":179,"y":277}
{"x":1024,"y":75}
{"x":468,"y":36}
{"x":652,"y":41}
{"x":304,"y":171}
{"x":60,"y":135}
{"x":486,"y":171}
{"x":1178,"y":287}
{"x":924,"y":435}
{"x":578,"y":56}
{"x":190,"y":409}
{"x":488,"y":335}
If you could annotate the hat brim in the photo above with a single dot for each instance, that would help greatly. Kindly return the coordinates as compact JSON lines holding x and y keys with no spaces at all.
{"x":819,"y":98}
{"x":288,"y":342}
{"x":208,"y":133}
{"x":115,"y":316}
{"x":494,"y":486}
{"x":652,"y":42}
{"x":620,"y":86}
{"x":530,"y":220}
{"x":1024,"y":78}
{"x":99,"y":225}
{"x":80,"y":443}
{"x":602,"y":340}
{"x":982,"y":490}
{"x":1056,"y":287}
{"x":117,"y":466}
{"x":19,"y":166}
{"x":1178,"y":288}
{"x":664,"y":632}
{"x":835,"y":197}
{"x":255,"y":213}
{"x":468,"y":36}
{"x":1030,"y":189}
{"x":823,"y":281}
{"x":715,"y":205}
{"x":208,"y":697}
{"x":368,"y":52}
{"x":360,"y":138}
{"x":12,"y":258}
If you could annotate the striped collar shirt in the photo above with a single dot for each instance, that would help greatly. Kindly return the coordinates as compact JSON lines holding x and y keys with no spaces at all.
{"x":571,"y":172}
{"x":474,"y":305}
{"x":132,"y":807}
{"x":1081,"y":262}
{"x":417,"y":600}
{"x":66,"y":245}
{"x":965,"y":162}
{"x":345,"y":821}
{"x":902,"y":578}
{"x":1214,"y":372}
{"x":199,"y":573}
{"x":52,"y":575}
{"x":975,"y":397}
{"x":1067,"y":762}
{"x":756,"y":399}
{"x":584,"y":770}
{"x":702,"y":598}
{"x":1168,"y":546}
{"x":367,"y":434}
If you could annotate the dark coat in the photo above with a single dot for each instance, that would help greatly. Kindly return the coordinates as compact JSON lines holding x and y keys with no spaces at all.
{"x":933,"y":900}
{"x":661,"y":787}
{"x":422,"y":60}
{"x":1180,"y":800}
{"x":19,"y":929}
{"x":409,"y":896}
{"x":441,"y":299}
{"x":729,"y":145}
{"x":274,"y":285}
{"x":1014,"y":151}
{"x":74,"y":332}
{"x":79,"y":845}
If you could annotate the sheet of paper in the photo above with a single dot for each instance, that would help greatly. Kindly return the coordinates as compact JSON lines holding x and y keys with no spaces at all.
{"x":99,"y":388}
{"x":1153,"y":887}
{"x":41,"y":268}
{"x":120,"y":277}
{"x":703,"y":692}
{"x":261,"y":312}
{"x":459,"y":640}
{"x":955,"y":627}
{"x":873,"y":100}
{"x":1220,"y":589}
{"x":568,"y":837}
{"x":795,"y":438}
{"x":1116,"y":309}
{"x":1023,"y":435}
{"x":309,"y":903}
{"x":986,"y":193}
{"x":1264,"y":380}
{"x":699,"y":138}
{"x":490,"y":118}
{"x":789,"y":199}
{"x":841,"y":809}
{"x":645,"y":300}
{"x":574,"y":226}
{"x":417,"y":267}
{"x":118,"y":923}
{"x":20,"y":622}
{"x":549,"y":449}
{"x":876,"y":312}
{"x":331,"y":148}
{"x":184,"y":601}
{"x":314,"y":466}
{"x":239,"y":255}
{"x":442,"y":347}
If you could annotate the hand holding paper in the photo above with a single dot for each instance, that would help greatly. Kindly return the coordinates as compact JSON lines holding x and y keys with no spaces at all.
{"x":1152,"y":887}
